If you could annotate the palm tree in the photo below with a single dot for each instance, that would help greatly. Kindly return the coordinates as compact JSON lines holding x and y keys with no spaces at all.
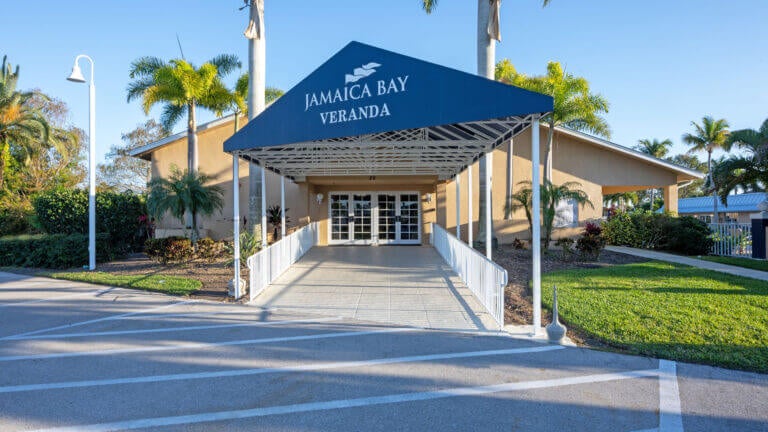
{"x":184,"y":191}
{"x":487,"y":35}
{"x":275,"y":218}
{"x":239,"y":98}
{"x":657,"y":149}
{"x":180,"y":87}
{"x":21,"y":123}
{"x":574,"y":105}
{"x":522,"y":200}
{"x":710,"y":135}
{"x":622,"y":199}
{"x":551,"y":196}
{"x":749,"y":169}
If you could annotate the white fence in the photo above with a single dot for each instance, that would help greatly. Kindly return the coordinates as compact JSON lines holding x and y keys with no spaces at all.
{"x":483,"y":277}
{"x":268,"y":264}
{"x":731,"y":239}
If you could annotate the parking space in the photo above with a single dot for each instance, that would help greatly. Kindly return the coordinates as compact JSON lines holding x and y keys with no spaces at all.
{"x":125,"y":360}
{"x":404,"y":285}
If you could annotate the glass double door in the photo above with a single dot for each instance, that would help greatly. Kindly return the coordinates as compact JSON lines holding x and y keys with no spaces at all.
{"x":374,"y":218}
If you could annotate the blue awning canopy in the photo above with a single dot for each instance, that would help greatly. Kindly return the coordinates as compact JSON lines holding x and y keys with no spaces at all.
{"x":371,"y":111}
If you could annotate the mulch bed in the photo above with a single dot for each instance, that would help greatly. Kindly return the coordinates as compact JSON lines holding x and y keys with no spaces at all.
{"x":517,"y":262}
{"x":215,"y":275}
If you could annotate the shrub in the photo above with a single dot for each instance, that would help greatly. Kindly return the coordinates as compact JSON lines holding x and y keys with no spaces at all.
{"x":15,"y":219}
{"x":52,"y":250}
{"x":685,"y":235}
{"x":209,"y":249}
{"x":518,"y":244}
{"x":620,"y":230}
{"x":591,"y":243}
{"x":688,"y":235}
{"x":65,"y":211}
{"x":168,"y":249}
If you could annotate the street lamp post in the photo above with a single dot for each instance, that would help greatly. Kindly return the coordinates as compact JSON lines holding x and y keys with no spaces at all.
{"x":77,"y":76}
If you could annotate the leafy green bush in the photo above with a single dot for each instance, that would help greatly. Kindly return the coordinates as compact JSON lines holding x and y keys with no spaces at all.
{"x":685,"y":235}
{"x":52,"y":250}
{"x":209,"y":249}
{"x":688,"y":235}
{"x":591,"y":243}
{"x":566,"y":248}
{"x":619,"y":230}
{"x":168,"y":249}
{"x":15,"y":219}
{"x":65,"y":211}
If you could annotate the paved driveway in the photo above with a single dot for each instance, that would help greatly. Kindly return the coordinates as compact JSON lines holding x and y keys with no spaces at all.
{"x":76,"y":357}
{"x":405,"y":285}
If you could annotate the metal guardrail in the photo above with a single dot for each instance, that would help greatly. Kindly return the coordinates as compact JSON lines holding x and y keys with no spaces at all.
{"x":731,"y":239}
{"x":483,"y":277}
{"x":268,"y":264}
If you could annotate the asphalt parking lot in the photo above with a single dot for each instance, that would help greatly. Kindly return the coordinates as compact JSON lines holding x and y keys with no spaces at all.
{"x":79,"y":357}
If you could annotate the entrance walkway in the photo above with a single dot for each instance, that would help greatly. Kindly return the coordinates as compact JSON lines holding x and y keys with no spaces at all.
{"x":405,"y":285}
{"x":693,"y":262}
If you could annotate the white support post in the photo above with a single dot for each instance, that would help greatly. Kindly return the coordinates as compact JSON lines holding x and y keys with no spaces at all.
{"x":535,"y":221}
{"x":458,"y":206}
{"x":236,"y":219}
{"x":488,"y":177}
{"x":282,"y":207}
{"x":470,"y":234}
{"x":264,"y":228}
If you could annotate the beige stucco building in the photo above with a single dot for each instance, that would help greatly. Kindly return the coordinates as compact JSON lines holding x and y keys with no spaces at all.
{"x":398,"y":209}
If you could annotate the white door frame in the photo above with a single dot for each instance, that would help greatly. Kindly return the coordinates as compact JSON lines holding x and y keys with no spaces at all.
{"x":374,"y":217}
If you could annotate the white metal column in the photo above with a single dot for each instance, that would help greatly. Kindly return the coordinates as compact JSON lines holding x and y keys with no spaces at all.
{"x":236,"y":219}
{"x":282,"y":207}
{"x":264,"y":228}
{"x":488,"y":176}
{"x":535,"y":220}
{"x":470,"y":234}
{"x":458,"y":206}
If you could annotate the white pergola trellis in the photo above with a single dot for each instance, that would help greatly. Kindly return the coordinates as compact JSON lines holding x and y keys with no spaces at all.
{"x":444,"y":151}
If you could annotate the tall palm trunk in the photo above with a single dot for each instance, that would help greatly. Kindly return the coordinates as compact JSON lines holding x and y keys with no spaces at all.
{"x":548,"y":150}
{"x":715,"y":215}
{"x":256,"y":87}
{"x":486,"y":57}
{"x":192,"y":154}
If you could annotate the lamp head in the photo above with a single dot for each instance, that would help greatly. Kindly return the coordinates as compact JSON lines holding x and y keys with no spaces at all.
{"x":77,"y":74}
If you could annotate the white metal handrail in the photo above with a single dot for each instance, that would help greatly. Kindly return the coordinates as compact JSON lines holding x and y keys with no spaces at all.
{"x":268,"y":264}
{"x":731,"y":239}
{"x":483,"y":277}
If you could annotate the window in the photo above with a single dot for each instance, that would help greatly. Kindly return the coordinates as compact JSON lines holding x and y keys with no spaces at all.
{"x":566,"y":214}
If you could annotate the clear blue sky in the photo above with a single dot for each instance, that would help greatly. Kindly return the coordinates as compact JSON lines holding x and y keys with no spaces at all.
{"x":660,"y":63}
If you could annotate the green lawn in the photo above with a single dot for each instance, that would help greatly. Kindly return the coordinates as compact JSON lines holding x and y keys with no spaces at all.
{"x":165,"y":284}
{"x":670,"y":311}
{"x":739,"y":262}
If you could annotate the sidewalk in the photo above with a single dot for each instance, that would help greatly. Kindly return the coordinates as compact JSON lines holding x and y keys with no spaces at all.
{"x":693,"y":262}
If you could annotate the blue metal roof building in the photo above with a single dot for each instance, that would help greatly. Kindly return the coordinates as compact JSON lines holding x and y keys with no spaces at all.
{"x":743,"y":203}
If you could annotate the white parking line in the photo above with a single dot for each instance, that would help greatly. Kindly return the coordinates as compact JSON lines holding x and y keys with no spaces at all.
{"x":670,"y":410}
{"x":261,"y":371}
{"x":352,"y":403}
{"x":175,"y":329}
{"x":204,"y":344}
{"x":61,"y":297}
{"x":108,"y":318}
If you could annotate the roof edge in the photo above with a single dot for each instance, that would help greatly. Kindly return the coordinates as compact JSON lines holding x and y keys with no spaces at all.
{"x":140,"y":152}
{"x":628,"y":151}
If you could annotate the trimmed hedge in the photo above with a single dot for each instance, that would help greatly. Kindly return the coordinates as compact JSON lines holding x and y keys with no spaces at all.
{"x":54,"y":251}
{"x":65,"y":211}
{"x":684,"y":235}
